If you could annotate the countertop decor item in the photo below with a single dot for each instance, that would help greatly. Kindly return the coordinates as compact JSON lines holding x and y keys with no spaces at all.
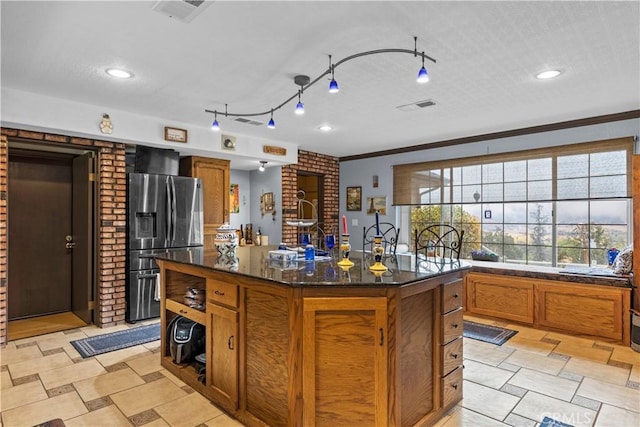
{"x":482,"y":255}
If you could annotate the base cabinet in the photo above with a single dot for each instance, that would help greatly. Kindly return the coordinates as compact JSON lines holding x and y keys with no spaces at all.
{"x":590,"y":310}
{"x":345,"y":361}
{"x":222,"y":354}
{"x":335,"y":356}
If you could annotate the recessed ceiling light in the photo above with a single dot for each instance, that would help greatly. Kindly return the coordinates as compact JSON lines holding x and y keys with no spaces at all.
{"x":549,"y":74}
{"x":325,"y":128}
{"x":121,"y":74}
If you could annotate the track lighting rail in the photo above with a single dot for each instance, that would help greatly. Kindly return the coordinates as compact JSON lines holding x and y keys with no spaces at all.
{"x":328,"y":71}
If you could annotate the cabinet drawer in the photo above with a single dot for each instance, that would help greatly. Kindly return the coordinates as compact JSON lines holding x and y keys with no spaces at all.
{"x":188,"y":312}
{"x":451,"y":356}
{"x":222,"y":292}
{"x":452,"y":388}
{"x":452,"y":296}
{"x":451,"y":326}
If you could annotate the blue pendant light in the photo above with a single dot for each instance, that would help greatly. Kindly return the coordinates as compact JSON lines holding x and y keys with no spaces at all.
{"x":271,"y":124}
{"x":333,"y":85}
{"x":423,"y":76}
{"x":215,"y":126}
{"x":299,"y":105}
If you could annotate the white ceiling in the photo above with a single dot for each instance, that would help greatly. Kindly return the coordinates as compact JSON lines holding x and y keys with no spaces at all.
{"x":245,"y":54}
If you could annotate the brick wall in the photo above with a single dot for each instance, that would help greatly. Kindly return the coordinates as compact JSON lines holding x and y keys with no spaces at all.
{"x":3,"y":240}
{"x":109,"y":305}
{"x":321,"y":164}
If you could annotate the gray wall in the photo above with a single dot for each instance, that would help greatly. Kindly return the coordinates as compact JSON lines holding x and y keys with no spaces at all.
{"x":269,"y":181}
{"x":242,"y":178}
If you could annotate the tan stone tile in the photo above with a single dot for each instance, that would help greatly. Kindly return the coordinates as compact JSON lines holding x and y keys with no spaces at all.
{"x":475,"y":398}
{"x":104,"y":385}
{"x":612,"y":416}
{"x":536,"y":362}
{"x":622,"y":397}
{"x":537,"y":406}
{"x":533,"y":345}
{"x":188,"y":411}
{"x":64,"y":406}
{"x":58,"y":340}
{"x":177,"y":381}
{"x":483,"y":352}
{"x":598,"y":371}
{"x":69,"y":374}
{"x":468,"y":418}
{"x":223,"y":420}
{"x":113,"y":357}
{"x":574,"y":349}
{"x":92,"y":330}
{"x":157,"y":423}
{"x":626,"y":355}
{"x":635,"y":374}
{"x":72,"y":352}
{"x":585,"y":342}
{"x":145,"y":364}
{"x":107,"y":416}
{"x":550,"y":385}
{"x":147,"y":396}
{"x":485,"y":375}
{"x":21,"y":395}
{"x":41,"y":364}
{"x":5,"y":380}
{"x":15,"y":355}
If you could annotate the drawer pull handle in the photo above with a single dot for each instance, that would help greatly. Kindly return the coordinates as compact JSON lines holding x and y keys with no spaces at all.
{"x":456,"y":295}
{"x":230,"y":342}
{"x":183,"y":311}
{"x":455,"y":326}
{"x":217,"y":292}
{"x":381,"y":336}
{"x":455,"y":386}
{"x":455,"y":356}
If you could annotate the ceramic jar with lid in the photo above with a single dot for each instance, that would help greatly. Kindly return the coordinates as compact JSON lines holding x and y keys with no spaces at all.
{"x":226,"y":240}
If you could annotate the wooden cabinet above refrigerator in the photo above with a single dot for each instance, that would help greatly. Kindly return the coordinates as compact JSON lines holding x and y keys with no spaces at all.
{"x":215,"y":182}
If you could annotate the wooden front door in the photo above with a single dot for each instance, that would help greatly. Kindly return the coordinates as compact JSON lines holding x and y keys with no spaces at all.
{"x":39,"y":219}
{"x":50,"y":233}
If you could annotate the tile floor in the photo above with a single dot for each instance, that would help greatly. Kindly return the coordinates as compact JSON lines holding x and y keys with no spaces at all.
{"x":535,"y":374}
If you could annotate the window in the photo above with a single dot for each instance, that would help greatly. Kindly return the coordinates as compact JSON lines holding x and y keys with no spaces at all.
{"x":551,"y":207}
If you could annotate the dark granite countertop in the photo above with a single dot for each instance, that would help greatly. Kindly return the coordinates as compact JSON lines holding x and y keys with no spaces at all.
{"x":253,"y":261}
{"x":597,"y":276}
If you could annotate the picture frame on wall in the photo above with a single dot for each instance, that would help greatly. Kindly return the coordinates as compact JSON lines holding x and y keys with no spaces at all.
{"x":378,"y":204}
{"x":175,"y":134}
{"x":354,"y":198}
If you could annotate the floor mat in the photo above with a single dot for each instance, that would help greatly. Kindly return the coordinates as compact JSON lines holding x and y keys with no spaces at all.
{"x":487,"y":333}
{"x":92,"y":346}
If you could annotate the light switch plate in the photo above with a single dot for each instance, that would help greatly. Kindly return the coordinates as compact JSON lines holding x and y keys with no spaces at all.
{"x":354,"y":221}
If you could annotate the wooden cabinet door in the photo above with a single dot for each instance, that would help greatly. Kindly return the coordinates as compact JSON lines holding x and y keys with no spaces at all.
{"x":222,"y":353}
{"x":214,"y":174}
{"x":345,"y":361}
{"x":504,"y":297}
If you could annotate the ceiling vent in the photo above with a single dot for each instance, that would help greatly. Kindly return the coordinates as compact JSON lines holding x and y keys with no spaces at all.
{"x":181,"y":10}
{"x":417,"y":105}
{"x":247,"y":121}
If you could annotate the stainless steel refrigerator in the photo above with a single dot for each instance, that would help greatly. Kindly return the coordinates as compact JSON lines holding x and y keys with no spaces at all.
{"x":164,"y":213}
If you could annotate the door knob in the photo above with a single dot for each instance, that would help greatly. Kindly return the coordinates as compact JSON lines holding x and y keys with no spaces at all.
{"x":70,"y":243}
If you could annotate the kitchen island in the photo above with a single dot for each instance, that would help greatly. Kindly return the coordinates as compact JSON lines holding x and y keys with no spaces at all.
{"x":311,"y":343}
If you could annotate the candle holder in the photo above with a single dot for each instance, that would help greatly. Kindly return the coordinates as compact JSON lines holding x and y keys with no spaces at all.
{"x":345,"y":248}
{"x":377,"y":250}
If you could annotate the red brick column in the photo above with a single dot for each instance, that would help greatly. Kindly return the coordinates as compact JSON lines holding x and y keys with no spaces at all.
{"x":3,"y":240}
{"x":320,"y":164}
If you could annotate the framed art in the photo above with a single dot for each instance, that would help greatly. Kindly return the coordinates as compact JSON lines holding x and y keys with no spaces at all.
{"x":377,"y":204}
{"x":175,"y":134}
{"x":354,"y":198}
{"x":266,"y":203}
{"x":228,"y":142}
{"x":234,"y":195}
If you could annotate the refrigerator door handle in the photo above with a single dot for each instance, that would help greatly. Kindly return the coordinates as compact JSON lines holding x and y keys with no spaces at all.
{"x":168,"y":223}
{"x":174,"y":214}
{"x":147,"y":276}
